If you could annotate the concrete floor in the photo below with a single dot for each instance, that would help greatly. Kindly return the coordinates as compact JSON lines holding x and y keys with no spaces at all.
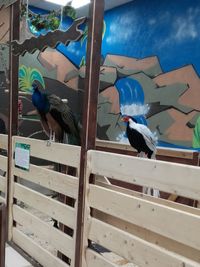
{"x":14,"y":259}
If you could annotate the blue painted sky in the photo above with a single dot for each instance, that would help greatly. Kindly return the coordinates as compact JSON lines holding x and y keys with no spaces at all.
{"x":169,"y":29}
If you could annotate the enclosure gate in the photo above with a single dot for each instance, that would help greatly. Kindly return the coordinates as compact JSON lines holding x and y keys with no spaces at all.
{"x":32,"y":209}
{"x":3,"y":167}
{"x":144,"y":230}
{"x":133,"y":227}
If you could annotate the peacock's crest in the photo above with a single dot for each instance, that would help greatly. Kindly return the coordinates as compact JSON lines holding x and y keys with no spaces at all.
{"x":27,"y":76}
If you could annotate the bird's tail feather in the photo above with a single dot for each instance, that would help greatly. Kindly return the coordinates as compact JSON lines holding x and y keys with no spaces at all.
{"x":70,"y":139}
{"x":65,"y":138}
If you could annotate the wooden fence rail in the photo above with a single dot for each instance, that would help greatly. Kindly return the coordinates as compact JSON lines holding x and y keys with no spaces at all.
{"x":2,"y":234}
{"x":3,"y":166}
{"x":32,"y":210}
{"x":185,"y":156}
{"x":142,"y":229}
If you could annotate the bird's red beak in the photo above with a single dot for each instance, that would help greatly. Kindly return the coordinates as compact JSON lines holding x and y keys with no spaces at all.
{"x":125,"y":118}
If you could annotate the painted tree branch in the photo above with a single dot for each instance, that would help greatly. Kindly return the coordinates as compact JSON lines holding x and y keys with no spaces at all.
{"x":51,"y":39}
{"x":7,"y":3}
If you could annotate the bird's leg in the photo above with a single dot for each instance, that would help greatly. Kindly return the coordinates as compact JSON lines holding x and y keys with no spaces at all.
{"x":156,"y":193}
{"x":139,"y":155}
{"x":54,"y":136}
{"x":50,"y":137}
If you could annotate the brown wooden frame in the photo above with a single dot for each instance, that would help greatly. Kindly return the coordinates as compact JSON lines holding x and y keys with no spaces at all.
{"x":2,"y":234}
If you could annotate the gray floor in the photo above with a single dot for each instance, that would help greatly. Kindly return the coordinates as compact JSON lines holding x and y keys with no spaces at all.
{"x":14,"y":259}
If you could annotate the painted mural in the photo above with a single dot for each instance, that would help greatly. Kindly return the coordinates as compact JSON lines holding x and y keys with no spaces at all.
{"x":150,"y":55}
{"x":4,"y":66}
{"x":149,"y":69}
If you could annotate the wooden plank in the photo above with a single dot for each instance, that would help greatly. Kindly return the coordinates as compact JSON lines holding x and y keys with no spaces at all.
{"x":50,"y":234}
{"x":169,"y":152}
{"x":134,"y":249}
{"x":94,"y":259}
{"x":57,"y":210}
{"x":2,"y":200}
{"x":3,"y":163}
{"x":2,"y":184}
{"x":59,"y":182}
{"x":149,"y":236}
{"x":4,"y":141}
{"x":2,"y":234}
{"x":56,"y":152}
{"x":165,"y":202}
{"x":44,"y":257}
{"x":182,"y":180}
{"x":172,"y":197}
{"x":175,"y":224}
{"x":91,"y":92}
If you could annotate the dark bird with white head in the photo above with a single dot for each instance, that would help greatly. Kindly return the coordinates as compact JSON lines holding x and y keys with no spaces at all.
{"x":144,"y":141}
{"x":140,"y":137}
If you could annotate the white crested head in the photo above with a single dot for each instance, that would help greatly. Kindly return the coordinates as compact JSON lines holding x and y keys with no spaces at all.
{"x":132,"y":123}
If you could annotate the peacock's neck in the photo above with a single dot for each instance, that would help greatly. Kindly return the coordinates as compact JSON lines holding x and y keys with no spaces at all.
{"x":40,"y":102}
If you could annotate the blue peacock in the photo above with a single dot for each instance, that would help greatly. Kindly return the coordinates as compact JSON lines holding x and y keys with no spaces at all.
{"x":56,"y":117}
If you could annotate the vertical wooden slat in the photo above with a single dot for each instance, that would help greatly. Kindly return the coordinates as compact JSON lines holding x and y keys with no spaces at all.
{"x":13,"y":95}
{"x":95,"y":26}
{"x":2,"y":234}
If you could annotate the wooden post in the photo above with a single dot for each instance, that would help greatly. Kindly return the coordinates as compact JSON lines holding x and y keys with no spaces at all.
{"x":13,"y":94}
{"x":95,"y":28}
{"x":2,"y":234}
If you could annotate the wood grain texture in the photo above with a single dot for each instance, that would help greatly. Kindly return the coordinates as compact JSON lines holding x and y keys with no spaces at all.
{"x":171,"y":223}
{"x":44,"y":257}
{"x":134,"y":249}
{"x":182,"y":180}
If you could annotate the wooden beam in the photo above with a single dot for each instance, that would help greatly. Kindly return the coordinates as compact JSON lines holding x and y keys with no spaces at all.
{"x":149,"y":236}
{"x":13,"y":97}
{"x":154,"y":217}
{"x":55,"y":209}
{"x":3,"y":141}
{"x":95,"y":27}
{"x":95,"y":259}
{"x":39,"y":149}
{"x":56,"y":181}
{"x":182,"y":180}
{"x":45,"y":231}
{"x":2,"y":234}
{"x":184,"y":156}
{"x":134,"y":249}
{"x":44,"y":257}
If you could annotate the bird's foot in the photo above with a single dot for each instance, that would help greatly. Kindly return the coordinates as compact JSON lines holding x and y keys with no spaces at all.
{"x":141,"y":155}
{"x":49,"y":142}
{"x":52,"y":138}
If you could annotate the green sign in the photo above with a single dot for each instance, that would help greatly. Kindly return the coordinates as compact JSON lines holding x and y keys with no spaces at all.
{"x":22,"y":156}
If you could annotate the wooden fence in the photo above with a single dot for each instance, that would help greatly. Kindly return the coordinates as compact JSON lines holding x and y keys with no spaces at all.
{"x":3,"y":167}
{"x":185,"y":156}
{"x":144,"y":230}
{"x":137,"y":228}
{"x":2,"y":234}
{"x":32,"y":211}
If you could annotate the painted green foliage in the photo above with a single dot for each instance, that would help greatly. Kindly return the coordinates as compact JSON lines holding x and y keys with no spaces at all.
{"x":85,"y":34}
{"x":196,"y":135}
{"x":27,"y":76}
